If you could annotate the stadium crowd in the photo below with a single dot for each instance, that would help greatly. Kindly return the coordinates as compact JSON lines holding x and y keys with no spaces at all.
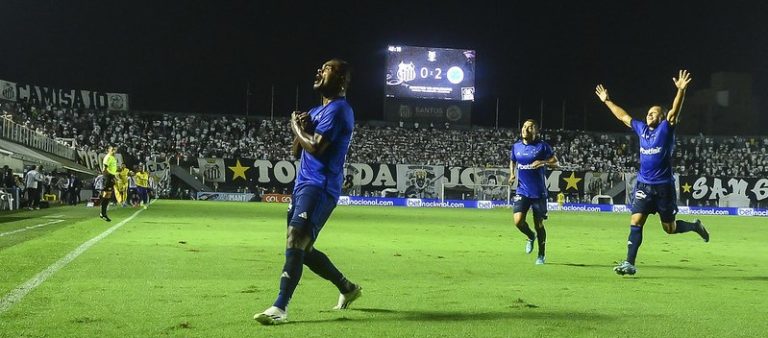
{"x":189,"y":136}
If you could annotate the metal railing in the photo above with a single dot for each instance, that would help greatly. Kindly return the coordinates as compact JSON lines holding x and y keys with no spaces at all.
{"x":15,"y":132}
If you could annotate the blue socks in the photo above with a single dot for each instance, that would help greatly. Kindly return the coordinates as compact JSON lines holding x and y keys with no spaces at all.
{"x":320,"y":264}
{"x":633,"y":243}
{"x":294,"y":264}
{"x":683,"y":226}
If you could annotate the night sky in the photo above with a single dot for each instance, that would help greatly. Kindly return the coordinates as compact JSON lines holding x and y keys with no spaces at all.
{"x":185,"y":57}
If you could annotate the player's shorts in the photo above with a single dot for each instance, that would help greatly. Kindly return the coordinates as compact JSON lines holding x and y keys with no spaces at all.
{"x":652,"y":198}
{"x":109,"y":182}
{"x":539,"y":206}
{"x":310,"y":208}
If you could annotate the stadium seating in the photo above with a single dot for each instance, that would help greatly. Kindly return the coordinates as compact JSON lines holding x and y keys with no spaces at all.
{"x":189,"y":136}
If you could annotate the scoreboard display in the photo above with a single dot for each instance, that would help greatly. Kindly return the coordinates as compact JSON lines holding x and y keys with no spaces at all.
{"x":430,"y":73}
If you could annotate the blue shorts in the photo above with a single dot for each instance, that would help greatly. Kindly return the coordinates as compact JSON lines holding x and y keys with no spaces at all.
{"x":651,"y":198}
{"x":310,"y":208}
{"x":539,"y":205}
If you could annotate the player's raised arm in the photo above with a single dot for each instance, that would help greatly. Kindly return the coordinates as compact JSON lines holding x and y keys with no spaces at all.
{"x":681,"y":82}
{"x":617,"y":111}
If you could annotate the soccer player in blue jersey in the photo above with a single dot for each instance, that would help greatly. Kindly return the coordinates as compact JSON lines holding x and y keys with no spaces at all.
{"x":323,"y":135}
{"x":655,"y":188}
{"x":529,"y":157}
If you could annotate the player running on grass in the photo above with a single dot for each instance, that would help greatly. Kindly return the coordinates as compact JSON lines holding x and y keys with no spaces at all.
{"x":529,"y":157}
{"x":655,"y":188}
{"x":323,"y":135}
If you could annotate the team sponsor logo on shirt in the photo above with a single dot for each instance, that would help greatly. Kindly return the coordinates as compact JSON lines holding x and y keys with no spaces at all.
{"x":650,"y":151}
{"x":525,"y":166}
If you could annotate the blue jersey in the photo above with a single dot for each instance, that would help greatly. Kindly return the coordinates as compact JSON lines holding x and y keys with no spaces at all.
{"x":656,"y":147}
{"x":335,"y":121}
{"x":530,"y":181}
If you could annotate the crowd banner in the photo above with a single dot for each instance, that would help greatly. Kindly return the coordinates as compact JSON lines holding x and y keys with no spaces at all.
{"x":724,"y":191}
{"x":419,"y":181}
{"x":415,"y":181}
{"x":93,"y":160}
{"x":212,"y":169}
{"x":62,"y":97}
{"x":160,"y":172}
{"x":453,"y":182}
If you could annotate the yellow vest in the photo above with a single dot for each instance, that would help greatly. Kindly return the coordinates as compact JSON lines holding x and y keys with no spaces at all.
{"x":142,"y":179}
{"x":122,"y":176}
{"x":110,"y":164}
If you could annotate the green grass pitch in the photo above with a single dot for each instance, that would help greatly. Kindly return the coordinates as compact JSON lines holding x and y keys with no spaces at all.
{"x":203,"y":269}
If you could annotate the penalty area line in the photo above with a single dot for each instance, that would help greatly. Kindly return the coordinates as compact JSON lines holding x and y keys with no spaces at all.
{"x":17,"y":294}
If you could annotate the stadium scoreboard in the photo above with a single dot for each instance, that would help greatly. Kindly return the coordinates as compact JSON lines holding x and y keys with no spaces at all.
{"x":430,"y":73}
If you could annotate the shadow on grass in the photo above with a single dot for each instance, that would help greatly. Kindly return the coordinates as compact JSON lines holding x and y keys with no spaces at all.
{"x":643,"y":266}
{"x":8,"y":219}
{"x":458,"y":316}
{"x":581,"y":265}
{"x":671,"y":267}
{"x":731,"y":278}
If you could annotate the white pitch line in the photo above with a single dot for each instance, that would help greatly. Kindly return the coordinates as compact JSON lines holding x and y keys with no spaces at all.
{"x":30,"y":227}
{"x":22,"y":290}
{"x":53,"y":216}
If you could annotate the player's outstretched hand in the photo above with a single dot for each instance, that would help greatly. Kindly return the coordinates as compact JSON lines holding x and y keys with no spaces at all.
{"x":602,"y":93}
{"x":682,"y":80}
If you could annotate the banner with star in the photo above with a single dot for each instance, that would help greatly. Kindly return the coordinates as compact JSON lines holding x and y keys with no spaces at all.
{"x":375,"y":178}
{"x":271,"y":176}
{"x":568,"y":182}
{"x":724,"y":191}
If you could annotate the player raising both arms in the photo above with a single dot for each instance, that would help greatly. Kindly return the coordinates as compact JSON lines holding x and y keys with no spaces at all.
{"x":655,"y":188}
